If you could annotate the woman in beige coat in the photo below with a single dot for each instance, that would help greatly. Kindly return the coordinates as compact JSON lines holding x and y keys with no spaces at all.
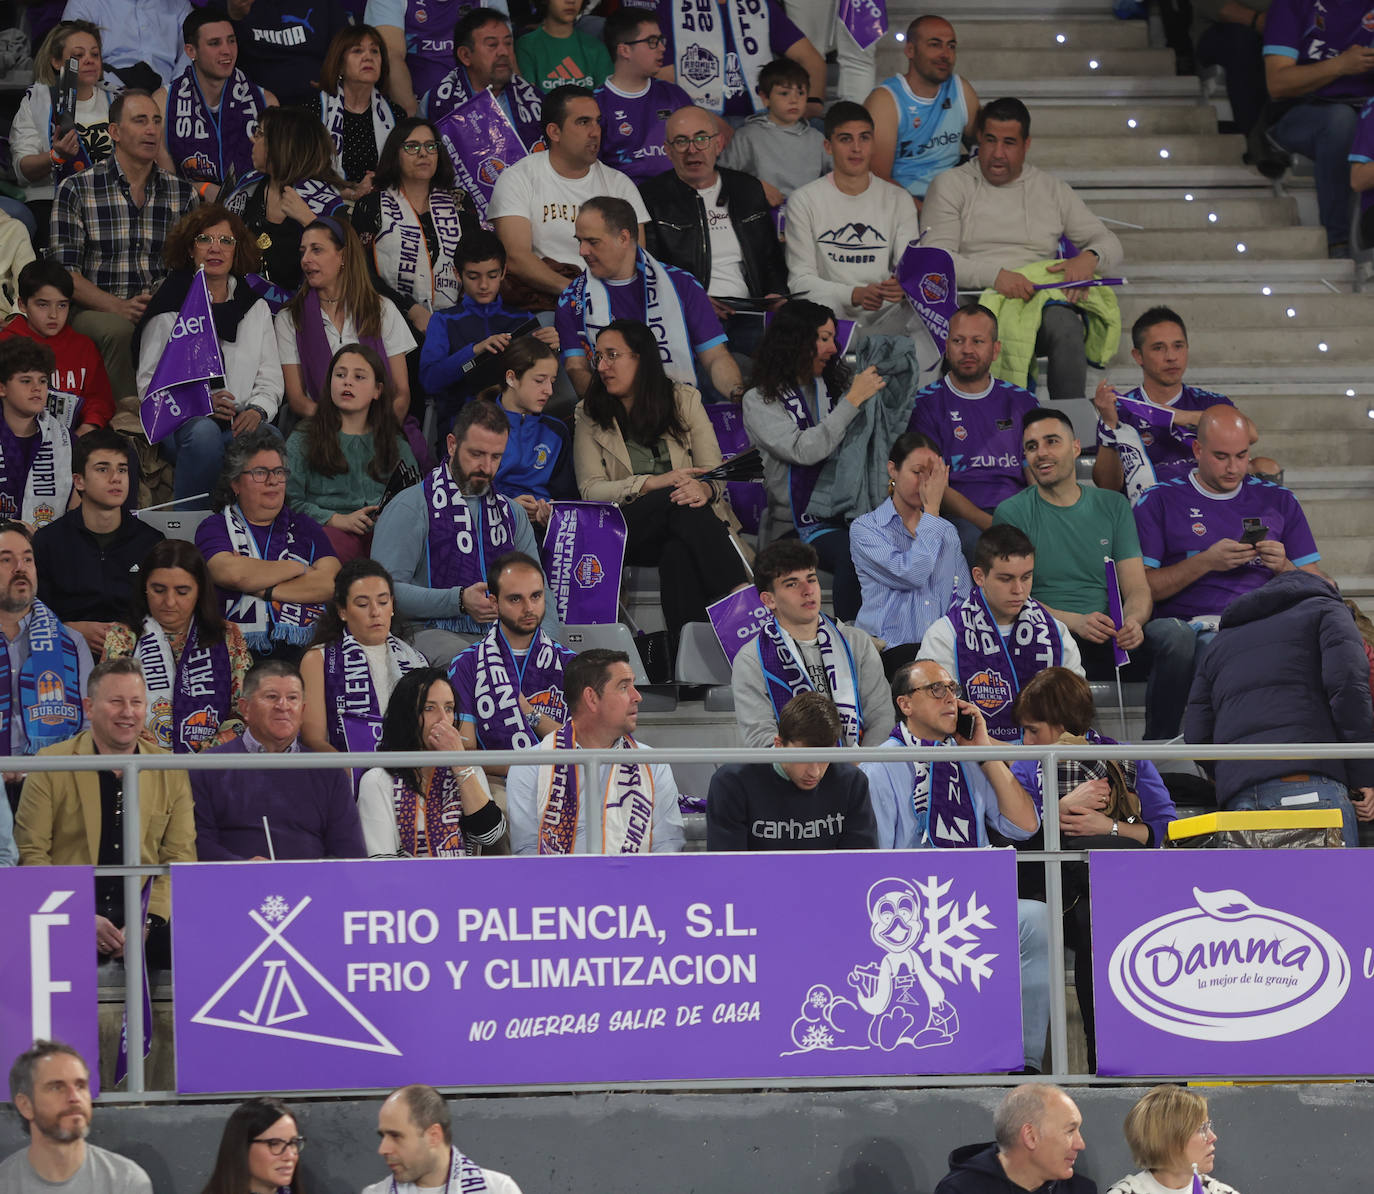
{"x":643,"y":441}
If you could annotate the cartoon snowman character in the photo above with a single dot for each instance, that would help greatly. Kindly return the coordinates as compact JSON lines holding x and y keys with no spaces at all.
{"x":906,"y":1004}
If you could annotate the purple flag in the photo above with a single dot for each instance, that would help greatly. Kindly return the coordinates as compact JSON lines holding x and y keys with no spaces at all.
{"x":482,"y":142}
{"x":584,"y":555}
{"x":736,"y":619}
{"x":1119,"y":656}
{"x":121,"y":1069}
{"x":866,"y":20}
{"x":927,"y":277}
{"x":1079,"y":285}
{"x":181,"y":384}
{"x":1157,"y":416}
{"x":748,"y":499}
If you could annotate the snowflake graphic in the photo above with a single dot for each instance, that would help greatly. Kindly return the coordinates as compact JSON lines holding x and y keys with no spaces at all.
{"x":818,"y":1036}
{"x":274,"y":908}
{"x":818,"y":998}
{"x":950,"y":939}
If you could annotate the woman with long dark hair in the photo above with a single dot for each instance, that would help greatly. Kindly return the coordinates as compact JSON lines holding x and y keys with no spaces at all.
{"x":259,"y":1152}
{"x":355,"y":661}
{"x":426,"y":812}
{"x":212,"y":238}
{"x":343,"y":456}
{"x":193,"y":660}
{"x":802,"y":400}
{"x":642,"y":441}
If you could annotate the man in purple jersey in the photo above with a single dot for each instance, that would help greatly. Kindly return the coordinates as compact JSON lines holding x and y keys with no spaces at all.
{"x":1362,"y":171}
{"x":976,"y":421}
{"x":1319,"y":65}
{"x":1206,"y":539}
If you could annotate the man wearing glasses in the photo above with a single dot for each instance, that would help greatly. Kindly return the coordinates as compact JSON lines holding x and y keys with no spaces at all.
{"x":416,"y":1134}
{"x":949,"y":805}
{"x":716,"y":224}
{"x":635,"y":103}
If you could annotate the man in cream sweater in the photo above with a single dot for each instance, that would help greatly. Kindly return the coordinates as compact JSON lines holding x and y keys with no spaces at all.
{"x":996,"y":214}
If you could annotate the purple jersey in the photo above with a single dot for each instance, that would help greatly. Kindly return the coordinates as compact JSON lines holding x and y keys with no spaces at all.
{"x":575,"y":332}
{"x":979,"y":436}
{"x":632,"y":127}
{"x":1362,"y":148}
{"x":1180,"y":518}
{"x":1310,"y":31}
{"x":1170,"y":449}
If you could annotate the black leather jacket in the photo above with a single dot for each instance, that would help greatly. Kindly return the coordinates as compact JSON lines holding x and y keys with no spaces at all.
{"x":677,"y":230}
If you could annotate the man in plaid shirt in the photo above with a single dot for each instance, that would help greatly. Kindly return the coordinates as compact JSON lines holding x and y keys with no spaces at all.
{"x":109,"y":224}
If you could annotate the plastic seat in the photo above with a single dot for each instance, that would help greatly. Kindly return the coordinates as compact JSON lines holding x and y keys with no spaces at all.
{"x":175,"y":524}
{"x":700,"y":661}
{"x":614,"y":636}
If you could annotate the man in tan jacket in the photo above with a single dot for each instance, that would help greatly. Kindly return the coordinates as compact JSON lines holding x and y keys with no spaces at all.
{"x":71,"y":818}
{"x":995,"y":214}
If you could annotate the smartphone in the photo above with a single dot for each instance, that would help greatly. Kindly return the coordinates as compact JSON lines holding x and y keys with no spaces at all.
{"x":66,"y":97}
{"x":965,"y":724}
{"x":1254,"y":530}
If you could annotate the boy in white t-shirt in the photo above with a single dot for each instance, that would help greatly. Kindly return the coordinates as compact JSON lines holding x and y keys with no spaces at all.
{"x":535,"y":201}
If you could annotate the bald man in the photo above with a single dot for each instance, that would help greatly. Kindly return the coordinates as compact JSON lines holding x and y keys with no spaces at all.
{"x":1207,"y":538}
{"x":716,"y":225}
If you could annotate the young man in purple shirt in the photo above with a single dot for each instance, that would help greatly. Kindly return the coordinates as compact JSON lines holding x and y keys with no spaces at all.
{"x":976,"y":421}
{"x":635,"y":104}
{"x":1207,"y":539}
{"x":622,"y":281}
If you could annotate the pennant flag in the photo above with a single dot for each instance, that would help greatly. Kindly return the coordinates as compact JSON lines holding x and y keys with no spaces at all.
{"x":482,"y":142}
{"x":1198,"y":1187}
{"x":737,"y":620}
{"x":866,"y":20}
{"x":1156,"y":416}
{"x":121,"y":1070}
{"x":584,"y":555}
{"x":927,"y":276}
{"x":1119,"y":657}
{"x":180,"y":389}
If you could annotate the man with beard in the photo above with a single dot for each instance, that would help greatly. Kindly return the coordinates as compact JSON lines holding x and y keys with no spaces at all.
{"x":416,"y":1132}
{"x":975,"y":420}
{"x":436,"y":537}
{"x":50,"y":1086}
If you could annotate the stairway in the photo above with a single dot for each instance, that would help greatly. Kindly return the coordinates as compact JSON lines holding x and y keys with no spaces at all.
{"x":1272,"y":323}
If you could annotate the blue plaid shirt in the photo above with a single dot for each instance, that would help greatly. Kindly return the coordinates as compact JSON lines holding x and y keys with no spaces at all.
{"x":97,"y":230}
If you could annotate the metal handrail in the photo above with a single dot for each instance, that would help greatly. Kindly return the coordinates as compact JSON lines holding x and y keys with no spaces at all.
{"x":1052,"y":857}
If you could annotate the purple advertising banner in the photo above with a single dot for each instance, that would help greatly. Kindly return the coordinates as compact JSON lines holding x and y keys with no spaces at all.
{"x":482,"y":142}
{"x":47,"y":955}
{"x":1232,"y":961}
{"x":737,"y":619}
{"x":526,"y":971}
{"x":191,"y":364}
{"x":584,"y":555}
{"x":927,"y":277}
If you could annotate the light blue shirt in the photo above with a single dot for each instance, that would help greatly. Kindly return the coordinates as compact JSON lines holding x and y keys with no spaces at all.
{"x":137,"y":31}
{"x":900,"y":827}
{"x":908,"y":581}
{"x":9,"y":852}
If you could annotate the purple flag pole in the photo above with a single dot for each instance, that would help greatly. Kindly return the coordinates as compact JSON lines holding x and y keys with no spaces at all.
{"x":926,"y":275}
{"x":482,"y":142}
{"x":1079,"y":285}
{"x":180,"y":387}
{"x":121,"y":1069}
{"x":1119,"y":657}
{"x":866,"y":20}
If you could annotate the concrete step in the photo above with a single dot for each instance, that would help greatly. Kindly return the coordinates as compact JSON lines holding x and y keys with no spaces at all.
{"x":1065,"y":62}
{"x":1294,"y":347}
{"x":1095,"y":120}
{"x":1292,"y":243}
{"x":1254,"y":310}
{"x":1069,"y":89}
{"x":1347,"y":555}
{"x":1335,"y":520}
{"x":1037,"y":34}
{"x":1237,"y":211}
{"x":970,"y":11}
{"x":1335,"y":415}
{"x":1319,"y":449}
{"x":1244,"y":269}
{"x":1149,"y":150}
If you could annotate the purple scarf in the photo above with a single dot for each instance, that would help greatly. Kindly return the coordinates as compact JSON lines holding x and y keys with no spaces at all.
{"x":785,"y":674}
{"x":351,"y":701}
{"x":443,"y":813}
{"x":206,"y":144}
{"x":940,"y":797}
{"x":802,"y":478}
{"x":520,"y":101}
{"x":313,"y":344}
{"x":190,"y":699}
{"x":498,"y":680}
{"x":458,"y":551}
{"x":994,"y":669}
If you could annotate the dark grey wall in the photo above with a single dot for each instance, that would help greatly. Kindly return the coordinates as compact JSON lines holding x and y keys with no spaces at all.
{"x":1273,"y":1140}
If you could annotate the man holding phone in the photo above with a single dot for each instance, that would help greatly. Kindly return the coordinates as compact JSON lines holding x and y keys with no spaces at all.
{"x":1207,"y":538}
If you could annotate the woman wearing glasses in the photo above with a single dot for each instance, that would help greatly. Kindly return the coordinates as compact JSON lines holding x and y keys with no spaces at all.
{"x":260,"y":1151}
{"x":412,"y":221}
{"x":1170,"y":1138}
{"x":215,"y":239}
{"x":274,"y":568}
{"x":643,"y":441}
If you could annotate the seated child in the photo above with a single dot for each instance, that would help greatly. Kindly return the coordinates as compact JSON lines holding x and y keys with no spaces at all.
{"x":35,"y":449}
{"x":777,"y":146}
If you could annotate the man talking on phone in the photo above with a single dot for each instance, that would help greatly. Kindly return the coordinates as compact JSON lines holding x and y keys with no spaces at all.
{"x":950,"y":806}
{"x":1207,"y":538}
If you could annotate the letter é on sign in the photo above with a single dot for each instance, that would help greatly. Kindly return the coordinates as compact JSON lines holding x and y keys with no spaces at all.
{"x":42,"y":985}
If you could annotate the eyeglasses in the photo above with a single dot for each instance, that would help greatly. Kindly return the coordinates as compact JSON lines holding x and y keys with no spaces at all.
{"x":261,"y":475}
{"x":1206,"y":1130}
{"x":653,"y":41}
{"x":276,"y":1145}
{"x":611,"y":355}
{"x":417,"y":147}
{"x":204,"y":238}
{"x":700,"y":140}
{"x":939,"y":690}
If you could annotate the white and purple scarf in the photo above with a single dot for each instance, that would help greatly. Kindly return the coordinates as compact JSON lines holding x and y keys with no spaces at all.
{"x":499,"y":680}
{"x":785,"y":674}
{"x":402,"y":256}
{"x":710,"y":67}
{"x":521,"y":99}
{"x":940,"y":797}
{"x":627,"y":810}
{"x":663,"y":314}
{"x":188,"y":699}
{"x":205,"y":144}
{"x":49,"y":684}
{"x":458,"y":551}
{"x":352,"y":704}
{"x":332,"y":112}
{"x":802,"y":478}
{"x":442,"y":836}
{"x":40,"y":495}
{"x":319,"y":196}
{"x":993,"y":669}
{"x":264,"y":623}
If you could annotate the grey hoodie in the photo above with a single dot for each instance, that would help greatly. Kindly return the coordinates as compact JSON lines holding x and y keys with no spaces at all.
{"x":787,"y":157}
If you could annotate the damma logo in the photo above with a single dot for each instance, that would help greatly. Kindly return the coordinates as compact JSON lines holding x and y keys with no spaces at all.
{"x":1229,"y":970}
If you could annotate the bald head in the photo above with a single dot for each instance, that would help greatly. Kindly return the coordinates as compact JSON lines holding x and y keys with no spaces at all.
{"x":693,"y":144}
{"x":926,"y":715}
{"x":930,"y":50}
{"x":1222,"y":450}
